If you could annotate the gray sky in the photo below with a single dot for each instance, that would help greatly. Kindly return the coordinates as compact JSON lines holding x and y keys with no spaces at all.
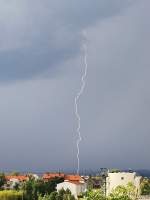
{"x":41,"y":63}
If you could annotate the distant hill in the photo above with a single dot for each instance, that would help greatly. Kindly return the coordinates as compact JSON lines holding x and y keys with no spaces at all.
{"x":143,"y":172}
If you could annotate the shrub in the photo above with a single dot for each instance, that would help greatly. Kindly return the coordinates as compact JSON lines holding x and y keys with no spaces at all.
{"x":11,"y":195}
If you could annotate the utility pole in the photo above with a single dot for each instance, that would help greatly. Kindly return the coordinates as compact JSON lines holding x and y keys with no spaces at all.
{"x":103,"y":174}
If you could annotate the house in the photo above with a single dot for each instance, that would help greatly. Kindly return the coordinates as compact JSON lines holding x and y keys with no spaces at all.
{"x":49,"y":176}
{"x":122,"y":178}
{"x":74,"y":183}
{"x":14,"y":181}
{"x":20,"y":178}
{"x":35,"y":176}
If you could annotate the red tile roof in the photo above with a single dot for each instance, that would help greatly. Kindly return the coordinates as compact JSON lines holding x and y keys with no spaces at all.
{"x":20,"y":178}
{"x":73,"y":178}
{"x":48,"y":176}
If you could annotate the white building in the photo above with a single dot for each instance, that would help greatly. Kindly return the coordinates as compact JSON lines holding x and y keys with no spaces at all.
{"x":74,"y":183}
{"x":122,"y":178}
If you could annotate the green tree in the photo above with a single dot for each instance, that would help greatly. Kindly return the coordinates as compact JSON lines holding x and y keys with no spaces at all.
{"x":131,"y":190}
{"x":72,"y":197}
{"x":28,"y":189}
{"x":114,"y":170}
{"x":61,"y":195}
{"x":145,"y":187}
{"x":94,"y":194}
{"x":68,"y":197}
{"x":123,"y":193}
{"x":2,"y":179}
{"x":53,"y":195}
{"x":34,"y":189}
{"x":90,"y":183}
{"x":119,"y":193}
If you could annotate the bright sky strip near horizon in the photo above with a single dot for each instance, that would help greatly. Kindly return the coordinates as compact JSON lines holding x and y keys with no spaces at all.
{"x":40,"y":70}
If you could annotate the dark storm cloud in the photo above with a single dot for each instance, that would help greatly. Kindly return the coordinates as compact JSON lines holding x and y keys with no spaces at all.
{"x":26,"y":63}
{"x":37,"y":35}
{"x":117,"y":99}
{"x":40,"y":45}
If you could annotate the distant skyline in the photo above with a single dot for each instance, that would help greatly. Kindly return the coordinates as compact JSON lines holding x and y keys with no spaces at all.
{"x":41,"y":63}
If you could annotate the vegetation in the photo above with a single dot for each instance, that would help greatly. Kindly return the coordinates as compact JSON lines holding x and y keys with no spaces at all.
{"x":38,"y":189}
{"x":94,"y":194}
{"x":61,"y":195}
{"x":2,"y":179}
{"x":145,"y":187}
{"x":11,"y":195}
{"x":114,"y":170}
{"x":94,"y":182}
{"x":34,"y":188}
{"x":123,"y":193}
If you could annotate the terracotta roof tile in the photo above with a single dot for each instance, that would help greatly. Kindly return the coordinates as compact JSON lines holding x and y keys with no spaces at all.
{"x":76,"y":178}
{"x":53,"y":175}
{"x":20,"y":178}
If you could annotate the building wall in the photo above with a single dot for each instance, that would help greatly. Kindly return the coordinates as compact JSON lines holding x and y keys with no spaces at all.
{"x":121,"y":178}
{"x":144,"y":197}
{"x":75,"y":189}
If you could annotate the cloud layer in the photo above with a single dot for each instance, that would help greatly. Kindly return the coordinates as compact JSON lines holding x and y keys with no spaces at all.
{"x":36,"y":36}
{"x":40,"y":72}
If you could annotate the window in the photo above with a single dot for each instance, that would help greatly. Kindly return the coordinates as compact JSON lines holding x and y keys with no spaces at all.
{"x":122,"y":178}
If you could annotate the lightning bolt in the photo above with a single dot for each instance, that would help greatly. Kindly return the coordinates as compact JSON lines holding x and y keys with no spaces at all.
{"x":83,"y":80}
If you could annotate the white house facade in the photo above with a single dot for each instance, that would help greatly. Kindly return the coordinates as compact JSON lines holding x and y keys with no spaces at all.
{"x":76,"y":188}
{"x":122,"y":178}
